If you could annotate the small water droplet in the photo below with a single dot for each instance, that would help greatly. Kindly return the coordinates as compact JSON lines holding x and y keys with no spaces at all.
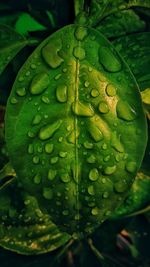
{"x":13,"y":100}
{"x":131,"y":166}
{"x":21,"y":91}
{"x":91,"y":159}
{"x":88,"y":145}
{"x":45,"y":99}
{"x":47,"y":193}
{"x":90,"y":69}
{"x":110,"y":170}
{"x":65,"y":177}
{"x":95,"y":211}
{"x":31,"y":134}
{"x":95,"y":132}
{"x":39,"y":83}
{"x":86,"y":84}
{"x":37,"y":178}
{"x":115,"y":142}
{"x":58,"y":76}
{"x":103,"y":107}
{"x":110,"y":90}
{"x":33,"y":66}
{"x":61,"y":93}
{"x":52,"y":174}
{"x":49,"y":148}
{"x":64,"y":70}
{"x":94,"y":93}
{"x":107,"y":158}
{"x":105,"y":195}
{"x":54,"y":160}
{"x":65,"y":212}
{"x":28,"y":73}
{"x":63,"y":154}
{"x":36,"y":159}
{"x":30,"y":148}
{"x":80,"y":33}
{"x":60,"y":139}
{"x":21,"y":79}
{"x":104,"y":146}
{"x":93,"y":174}
{"x":91,"y":190}
{"x":121,"y":186}
{"x":37,"y":119}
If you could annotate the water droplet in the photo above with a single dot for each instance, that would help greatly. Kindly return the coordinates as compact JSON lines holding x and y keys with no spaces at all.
{"x":50,"y":53}
{"x":94,"y":93}
{"x":49,"y":148}
{"x":37,"y":119}
{"x":64,"y":70}
{"x":103,"y":107}
{"x":121,"y":186}
{"x":33,"y":66}
{"x":91,"y":159}
{"x":13,"y":100}
{"x":93,"y":174}
{"x":93,"y":37}
{"x":81,"y":109}
{"x":65,"y":177}
{"x":125,"y":111}
{"x":69,"y":128}
{"x":21,"y":91}
{"x":80,"y":33}
{"x":58,"y":76}
{"x":91,"y":190}
{"x":103,"y":180}
{"x":36,"y":159}
{"x":79,"y":52}
{"x":63,"y":154}
{"x":39,"y":83}
{"x":30,"y":149}
{"x":104,"y":146}
{"x":47,"y":131}
{"x":115,"y":142}
{"x":110,"y":170}
{"x":95,"y":132}
{"x":47,"y":193}
{"x":95,"y":211}
{"x":31,"y":134}
{"x":107,"y":158}
{"x":54,"y":160}
{"x":90,"y":69}
{"x":65,"y":212}
{"x":88,"y":145}
{"x":52,"y":174}
{"x":108,"y":213}
{"x":61,"y":93}
{"x":110,"y":90}
{"x":37,"y":178}
{"x":45,"y":99}
{"x":131,"y":166}
{"x":39,"y":149}
{"x":109,"y":60}
{"x":28,"y":73}
{"x":105,"y":195}
{"x":86,"y":84}
{"x":117,"y":157}
{"x":60,"y":139}
{"x":21,"y":79}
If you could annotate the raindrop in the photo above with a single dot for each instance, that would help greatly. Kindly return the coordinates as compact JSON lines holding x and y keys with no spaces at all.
{"x":79,"y":52}
{"x":93,"y":174}
{"x":47,"y":193}
{"x":108,"y":59}
{"x":39,"y":83}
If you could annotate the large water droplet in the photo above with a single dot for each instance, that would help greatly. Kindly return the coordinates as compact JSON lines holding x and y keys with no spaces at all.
{"x":103,"y":107}
{"x":37,"y":178}
{"x":61,"y":93}
{"x":39,"y":83}
{"x":131,"y":166}
{"x":108,"y":59}
{"x":47,"y":131}
{"x":125,"y":111}
{"x":37,"y":119}
{"x":49,"y":148}
{"x":93,"y":174}
{"x":51,"y":174}
{"x":79,"y":52}
{"x":47,"y":193}
{"x":81,"y":109}
{"x":50,"y":53}
{"x":110,"y":170}
{"x":80,"y":33}
{"x":110,"y":90}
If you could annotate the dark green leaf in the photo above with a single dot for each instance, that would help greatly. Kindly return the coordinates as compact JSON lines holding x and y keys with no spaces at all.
{"x":135,"y":49}
{"x":23,"y":227}
{"x":10,"y":44}
{"x":69,"y":117}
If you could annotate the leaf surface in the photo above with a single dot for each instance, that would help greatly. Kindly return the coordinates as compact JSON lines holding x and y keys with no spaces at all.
{"x":71,"y":116}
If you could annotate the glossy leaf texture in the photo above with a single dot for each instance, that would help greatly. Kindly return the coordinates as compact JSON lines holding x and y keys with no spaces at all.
{"x":121,"y":23}
{"x":135,"y":49}
{"x":138,"y":197}
{"x":75,"y":128}
{"x":23,"y":226}
{"x":10,"y":44}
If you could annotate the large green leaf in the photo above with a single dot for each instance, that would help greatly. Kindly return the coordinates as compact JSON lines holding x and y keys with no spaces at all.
{"x":23,"y":227}
{"x":71,"y":118}
{"x":135,"y":49}
{"x":10,"y":44}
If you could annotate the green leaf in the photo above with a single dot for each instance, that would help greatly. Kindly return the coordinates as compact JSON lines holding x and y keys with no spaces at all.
{"x":68,"y":121}
{"x":135,"y":49}
{"x":26,"y":24}
{"x":23,"y":227}
{"x":10,"y":44}
{"x":146,"y":99}
{"x":137,"y":198}
{"x":121,"y":23}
